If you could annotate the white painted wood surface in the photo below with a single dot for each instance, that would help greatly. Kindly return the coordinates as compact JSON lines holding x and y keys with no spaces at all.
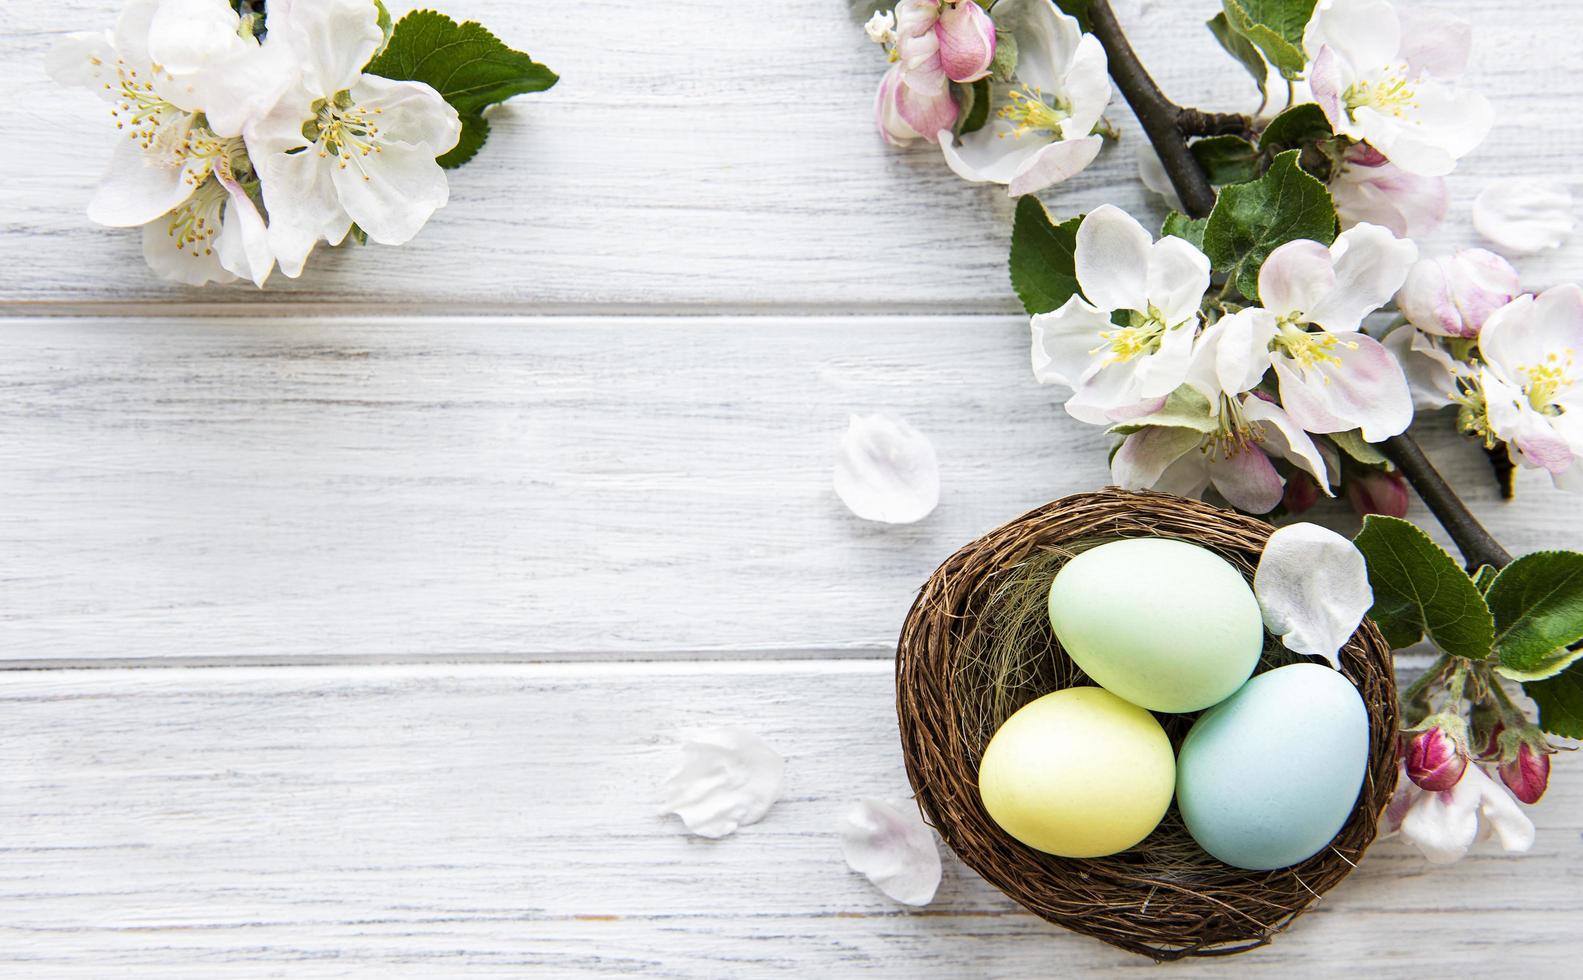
{"x":619,"y":452}
{"x":501,"y":820}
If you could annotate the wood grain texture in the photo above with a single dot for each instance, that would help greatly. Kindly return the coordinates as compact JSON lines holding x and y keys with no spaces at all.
{"x":542,"y":487}
{"x":500,"y":820}
{"x":700,"y":154}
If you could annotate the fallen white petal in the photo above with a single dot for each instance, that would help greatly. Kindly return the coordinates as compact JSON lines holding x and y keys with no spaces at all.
{"x":889,"y":843}
{"x":728,"y":779}
{"x":1523,"y":215}
{"x":885,"y":470}
{"x":1313,"y":586}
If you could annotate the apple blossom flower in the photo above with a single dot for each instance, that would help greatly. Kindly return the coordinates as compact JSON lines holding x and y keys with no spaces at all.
{"x":1366,"y":187}
{"x":1382,"y":77}
{"x":1532,"y":380}
{"x":182,"y":82}
{"x":1435,"y":759}
{"x":1444,"y":825}
{"x":1334,"y":378}
{"x":341,"y":146}
{"x":967,"y":41}
{"x":1372,"y":491}
{"x":1228,"y":447}
{"x":1524,"y":215}
{"x":902,"y":114}
{"x":1045,"y":133}
{"x":1313,"y":589}
{"x":1527,"y":772}
{"x":1434,"y":378}
{"x":1453,"y":296}
{"x":1119,"y":370}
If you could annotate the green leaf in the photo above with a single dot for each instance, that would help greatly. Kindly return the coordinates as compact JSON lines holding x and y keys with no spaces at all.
{"x":1353,"y":444}
{"x":1184,"y":408}
{"x":1226,"y":159}
{"x":1275,"y":27}
{"x":1419,"y":589}
{"x":975,"y":106}
{"x":1301,"y":124}
{"x":1043,"y":257}
{"x":470,"y":68}
{"x":1252,"y":219}
{"x":1537,"y":602}
{"x":1560,"y":701}
{"x":1549,"y":665}
{"x":1189,"y":229}
{"x":1242,"y":50}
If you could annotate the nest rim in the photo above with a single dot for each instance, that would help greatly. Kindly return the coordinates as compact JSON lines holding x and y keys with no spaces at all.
{"x":1123,"y":899}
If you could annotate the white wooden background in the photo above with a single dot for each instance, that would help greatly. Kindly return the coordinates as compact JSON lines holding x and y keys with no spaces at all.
{"x":350,"y":624}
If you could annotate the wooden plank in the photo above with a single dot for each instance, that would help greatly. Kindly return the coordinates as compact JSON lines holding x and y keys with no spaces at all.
{"x":702,"y":154}
{"x":480,"y":488}
{"x":501,"y":819}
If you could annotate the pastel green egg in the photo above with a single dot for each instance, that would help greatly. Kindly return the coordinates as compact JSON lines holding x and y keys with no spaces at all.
{"x":1164,"y":624}
{"x":1078,"y":773}
{"x":1267,"y":778}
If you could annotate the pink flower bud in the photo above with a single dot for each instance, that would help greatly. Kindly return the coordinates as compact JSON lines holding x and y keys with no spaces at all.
{"x":1435,"y":761}
{"x":1527,"y":774}
{"x":1301,"y":493}
{"x":1452,"y":297}
{"x":1377,"y":492}
{"x":903,"y":114}
{"x":967,"y":41}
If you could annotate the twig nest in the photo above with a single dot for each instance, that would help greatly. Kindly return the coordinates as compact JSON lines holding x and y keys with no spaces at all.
{"x":977,"y":646}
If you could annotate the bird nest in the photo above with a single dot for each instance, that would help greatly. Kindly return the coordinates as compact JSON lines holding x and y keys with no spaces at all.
{"x":977,"y":645}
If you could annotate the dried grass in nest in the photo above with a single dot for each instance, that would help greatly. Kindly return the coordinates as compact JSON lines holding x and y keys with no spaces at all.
{"x":977,"y":645}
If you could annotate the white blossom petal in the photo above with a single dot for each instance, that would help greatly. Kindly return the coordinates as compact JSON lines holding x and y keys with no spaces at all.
{"x":333,"y":39}
{"x":1296,"y":277}
{"x":1370,"y":266}
{"x":1523,"y":215}
{"x":1280,"y":435}
{"x":1247,"y":479}
{"x":1112,"y":259}
{"x":1146,"y":455}
{"x":887,"y":471}
{"x":1233,"y":354}
{"x":1178,"y":277}
{"x":186,"y":36}
{"x":1430,"y":370}
{"x":1152,"y":172}
{"x":728,"y":779}
{"x":140,"y":186}
{"x":1313,"y":587}
{"x":1051,"y":164}
{"x":890,"y":845}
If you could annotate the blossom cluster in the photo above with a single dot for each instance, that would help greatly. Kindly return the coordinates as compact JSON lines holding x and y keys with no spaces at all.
{"x":1016,"y":98}
{"x":247,"y":140}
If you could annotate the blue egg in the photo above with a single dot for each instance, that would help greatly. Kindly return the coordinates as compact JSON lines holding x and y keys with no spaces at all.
{"x":1267,"y":778}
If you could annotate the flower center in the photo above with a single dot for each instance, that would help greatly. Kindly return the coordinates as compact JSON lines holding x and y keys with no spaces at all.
{"x":344,"y":129}
{"x":1140,"y":336}
{"x":140,"y":111}
{"x":1309,"y":348}
{"x":1029,"y":112}
{"x":193,"y":225}
{"x":1234,"y":433}
{"x":1390,"y":92}
{"x":1546,"y":380}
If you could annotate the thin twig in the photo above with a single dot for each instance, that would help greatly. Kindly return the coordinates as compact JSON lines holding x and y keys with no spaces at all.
{"x":1477,"y":545}
{"x":1158,"y":115}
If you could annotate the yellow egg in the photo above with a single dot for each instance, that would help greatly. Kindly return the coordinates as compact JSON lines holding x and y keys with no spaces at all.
{"x":1078,"y":773}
